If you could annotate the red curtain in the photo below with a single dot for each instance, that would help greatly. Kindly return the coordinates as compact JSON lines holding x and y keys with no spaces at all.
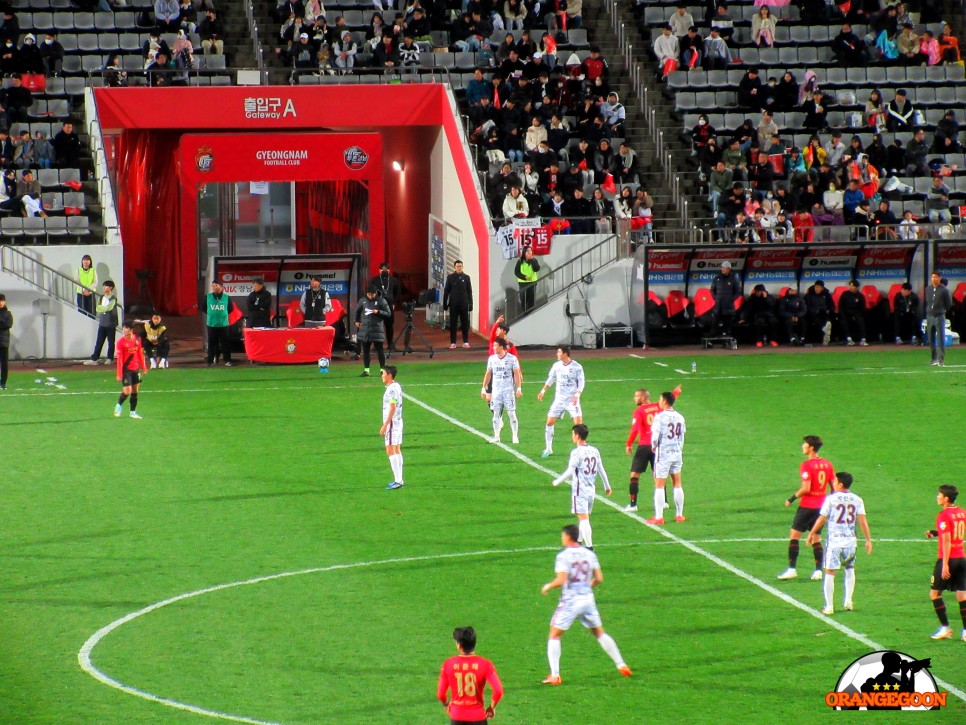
{"x":338,"y":218}
{"x":149,"y":205}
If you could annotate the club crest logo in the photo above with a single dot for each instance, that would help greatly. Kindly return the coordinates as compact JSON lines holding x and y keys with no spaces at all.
{"x":290,"y":346}
{"x":886,"y":680}
{"x":355,"y":158}
{"x":204,"y":160}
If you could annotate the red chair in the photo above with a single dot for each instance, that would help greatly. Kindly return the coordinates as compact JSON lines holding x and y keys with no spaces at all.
{"x":703,"y":302}
{"x":872,"y":296}
{"x":784,"y":291}
{"x":959,"y":295}
{"x":893,"y":291}
{"x":739,"y":303}
{"x":294,"y":314}
{"x":333,"y":316}
{"x":677,"y":308}
{"x":837,"y":295}
{"x":652,"y":297}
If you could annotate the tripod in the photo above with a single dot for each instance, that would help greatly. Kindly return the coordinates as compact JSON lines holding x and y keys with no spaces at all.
{"x":406,"y":334}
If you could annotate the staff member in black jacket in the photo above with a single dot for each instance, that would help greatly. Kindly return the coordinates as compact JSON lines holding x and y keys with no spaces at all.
{"x":725,"y":288}
{"x":259,"y":305}
{"x":6,"y":322}
{"x":371,"y":313}
{"x":388,"y":287}
{"x":315,"y":303}
{"x":458,"y":299}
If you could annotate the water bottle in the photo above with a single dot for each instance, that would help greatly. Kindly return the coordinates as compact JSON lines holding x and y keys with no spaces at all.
{"x":694,"y":367}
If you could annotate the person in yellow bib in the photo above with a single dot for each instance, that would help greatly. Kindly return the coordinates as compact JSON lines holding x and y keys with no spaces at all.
{"x":527,"y":270}
{"x":87,"y":276}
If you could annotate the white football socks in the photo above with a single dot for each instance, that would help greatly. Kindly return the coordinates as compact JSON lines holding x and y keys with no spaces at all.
{"x":659,"y":499}
{"x":678,"y":501}
{"x":497,"y":423}
{"x":514,"y":423}
{"x":849,"y":584}
{"x":553,"y":655}
{"x":396,"y":463}
{"x":548,"y":438}
{"x":828,"y":588}
{"x":585,"y":536}
{"x":610,"y":647}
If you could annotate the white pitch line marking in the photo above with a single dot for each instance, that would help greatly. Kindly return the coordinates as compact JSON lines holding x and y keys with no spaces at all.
{"x":86,"y":663}
{"x":683,"y":372}
{"x":663,"y":365}
{"x":639,"y":357}
{"x":691,"y":546}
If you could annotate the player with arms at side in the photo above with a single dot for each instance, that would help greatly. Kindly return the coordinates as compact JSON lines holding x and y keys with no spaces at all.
{"x":464,"y":677}
{"x":568,"y":374}
{"x":577,"y":573}
{"x":130,"y":366}
{"x":503,"y":371}
{"x":501,"y":329}
{"x":842,"y":509}
{"x":950,"y":571}
{"x":392,"y":425}
{"x":667,"y":442}
{"x":584,"y":467}
{"x":641,"y":431}
{"x":816,"y":475}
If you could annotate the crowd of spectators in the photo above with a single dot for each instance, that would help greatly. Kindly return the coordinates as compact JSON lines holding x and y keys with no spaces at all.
{"x":761,"y":187}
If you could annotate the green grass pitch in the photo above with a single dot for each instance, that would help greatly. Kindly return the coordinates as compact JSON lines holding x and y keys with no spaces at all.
{"x":251,"y":472}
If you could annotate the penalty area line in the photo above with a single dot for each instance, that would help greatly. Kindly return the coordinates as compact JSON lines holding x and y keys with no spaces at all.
{"x":689,"y":545}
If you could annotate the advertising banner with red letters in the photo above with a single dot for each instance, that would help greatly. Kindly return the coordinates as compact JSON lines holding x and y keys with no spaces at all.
{"x":773,"y":267}
{"x":835,"y":264}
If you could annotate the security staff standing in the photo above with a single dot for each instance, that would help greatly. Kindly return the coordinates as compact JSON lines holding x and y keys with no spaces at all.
{"x":458,"y":299}
{"x":259,"y":305}
{"x":388,"y":287}
{"x":526,"y":272}
{"x":315,"y":303}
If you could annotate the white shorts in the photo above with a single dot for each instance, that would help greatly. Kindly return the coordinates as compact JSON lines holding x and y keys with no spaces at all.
{"x":559,"y":407}
{"x":394,"y":434}
{"x":503,"y":401}
{"x":581,"y":504}
{"x":583,"y":609}
{"x":840,"y":557}
{"x":666,"y":465}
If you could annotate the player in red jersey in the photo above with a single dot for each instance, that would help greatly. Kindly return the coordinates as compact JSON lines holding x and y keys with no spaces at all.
{"x":464,"y":677}
{"x":130,"y":366}
{"x":816,"y":475}
{"x":641,"y":431}
{"x":950,"y":572}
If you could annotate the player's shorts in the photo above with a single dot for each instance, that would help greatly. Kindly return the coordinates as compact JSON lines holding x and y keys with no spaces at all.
{"x":582,"y":609}
{"x":506,"y":400}
{"x":642,"y":457}
{"x":581,"y":504}
{"x":840,"y":556}
{"x":130,"y":378}
{"x":394,"y":433}
{"x":957,"y":576}
{"x":559,"y":407}
{"x":804,"y":519}
{"x":663,"y":466}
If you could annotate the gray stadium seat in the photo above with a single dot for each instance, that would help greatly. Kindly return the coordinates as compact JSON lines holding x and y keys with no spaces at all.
{"x":72,"y":64}
{"x":41,"y":21}
{"x":215,"y":62}
{"x":84,"y":21}
{"x":74,"y":86}
{"x":66,"y":175}
{"x":78,"y":226}
{"x":74,"y":199}
{"x":48,"y":178}
{"x":69,"y":41}
{"x":875,"y":74}
{"x":11,"y":226}
{"x":129,"y":41}
{"x":53,"y":200}
{"x":124,"y":21}
{"x":89,"y":43}
{"x":34,"y":226}
{"x":91,"y":62}
{"x":64,"y":21}
{"x":104,"y":21}
{"x":56,"y":226}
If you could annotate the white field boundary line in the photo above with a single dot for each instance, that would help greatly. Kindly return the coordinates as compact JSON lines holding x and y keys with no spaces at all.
{"x":86,"y":663}
{"x":691,"y":546}
{"x":948,"y":370}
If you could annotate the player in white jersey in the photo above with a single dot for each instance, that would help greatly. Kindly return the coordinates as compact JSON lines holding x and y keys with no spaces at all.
{"x":503,"y":370}
{"x":842,"y":509}
{"x":583,"y":468}
{"x":568,"y":375}
{"x":392,"y":425}
{"x":667,"y":443}
{"x":577,"y":573}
